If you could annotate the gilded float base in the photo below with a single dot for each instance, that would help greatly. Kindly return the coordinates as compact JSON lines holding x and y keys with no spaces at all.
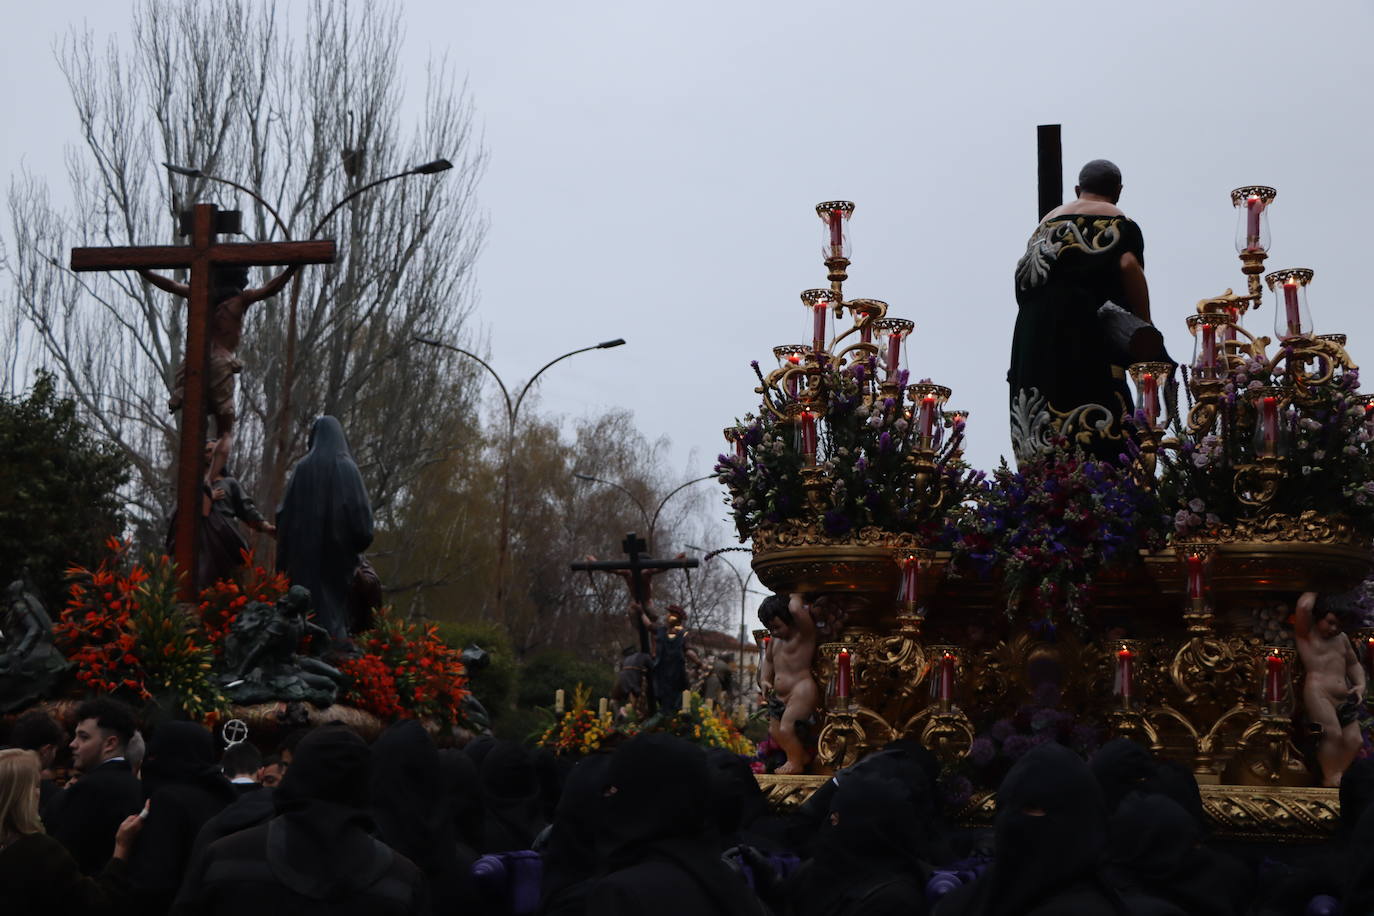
{"x":1255,"y":814}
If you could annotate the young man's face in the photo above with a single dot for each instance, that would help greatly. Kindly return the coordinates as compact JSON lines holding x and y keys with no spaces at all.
{"x":1328,"y":626}
{"x":270,"y":775}
{"x":91,"y":746}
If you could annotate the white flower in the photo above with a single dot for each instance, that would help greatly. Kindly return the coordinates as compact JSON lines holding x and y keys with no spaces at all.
{"x":876,"y":420}
{"x":1309,"y":424}
{"x":901,"y":425}
{"x":1199,"y":460}
{"x":1253,"y":385}
{"x":1213,"y":518}
{"x":1318,"y":455}
{"x":1196,"y":504}
{"x":1306,"y":470}
{"x":1194,"y":520}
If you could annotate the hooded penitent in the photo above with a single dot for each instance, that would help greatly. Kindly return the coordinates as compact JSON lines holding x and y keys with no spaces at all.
{"x":658,"y":846}
{"x":323,"y":523}
{"x":869,"y":855}
{"x":570,"y":862}
{"x":1049,"y":836}
{"x":319,"y":845}
{"x":186,"y":789}
{"x":1121,"y":766}
{"x":510,"y":792}
{"x":407,"y":792}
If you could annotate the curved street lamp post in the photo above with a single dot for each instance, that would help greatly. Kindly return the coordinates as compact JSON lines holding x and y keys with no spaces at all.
{"x":512,"y":413}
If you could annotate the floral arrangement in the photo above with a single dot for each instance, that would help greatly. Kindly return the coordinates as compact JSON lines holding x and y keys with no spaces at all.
{"x":1038,"y":722}
{"x":125,"y":634}
{"x":708,"y":727}
{"x":1324,"y":436}
{"x":406,"y":670}
{"x":865,"y":443}
{"x":580,"y":730}
{"x":221,"y":602}
{"x":1053,"y":524}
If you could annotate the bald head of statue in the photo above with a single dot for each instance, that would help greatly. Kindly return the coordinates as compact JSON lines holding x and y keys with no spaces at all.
{"x":1101,"y":178}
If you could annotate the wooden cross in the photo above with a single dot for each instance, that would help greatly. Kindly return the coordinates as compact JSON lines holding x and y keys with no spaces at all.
{"x":637,"y":570}
{"x":202,"y":256}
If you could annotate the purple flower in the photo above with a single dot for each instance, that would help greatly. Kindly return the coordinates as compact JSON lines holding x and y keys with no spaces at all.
{"x":1016,"y":746}
{"x":956,"y":790}
{"x":1002,"y":729}
{"x":981,"y":751}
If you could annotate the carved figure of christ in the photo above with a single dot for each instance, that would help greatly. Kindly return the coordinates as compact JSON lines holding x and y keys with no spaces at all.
{"x":202,"y":257}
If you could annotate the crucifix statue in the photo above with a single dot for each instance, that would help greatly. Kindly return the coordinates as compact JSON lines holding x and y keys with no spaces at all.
{"x":637,"y":570}
{"x":217,"y":299}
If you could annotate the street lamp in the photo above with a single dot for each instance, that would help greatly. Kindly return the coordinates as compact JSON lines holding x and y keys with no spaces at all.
{"x":289,"y":369}
{"x":512,"y":412}
{"x":650,"y":521}
{"x":744,"y":594}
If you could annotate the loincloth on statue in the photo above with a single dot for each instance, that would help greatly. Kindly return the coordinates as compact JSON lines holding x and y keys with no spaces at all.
{"x":777,"y":706}
{"x":223,"y":367}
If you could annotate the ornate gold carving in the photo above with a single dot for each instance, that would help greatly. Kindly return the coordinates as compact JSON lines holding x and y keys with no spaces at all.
{"x":785,"y":793}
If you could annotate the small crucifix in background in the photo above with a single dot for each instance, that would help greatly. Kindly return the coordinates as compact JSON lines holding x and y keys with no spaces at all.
{"x":214,"y":323}
{"x":637,"y":570}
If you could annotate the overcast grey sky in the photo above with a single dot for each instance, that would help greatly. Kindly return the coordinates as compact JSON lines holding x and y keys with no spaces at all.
{"x":654,"y":168}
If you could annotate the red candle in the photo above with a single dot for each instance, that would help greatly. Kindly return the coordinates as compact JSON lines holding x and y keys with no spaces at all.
{"x":1149,"y":393}
{"x":1194,"y":576}
{"x":1290,"y":307}
{"x":739,"y":446}
{"x":795,"y":360}
{"x":927,"y":417}
{"x":894,"y":354}
{"x":1369,"y":655}
{"x":1124,"y":672}
{"x":866,"y":331}
{"x":909,"y":570}
{"x":1207,"y":352}
{"x":1228,"y":332}
{"x":946,"y":677}
{"x":1269,"y":425}
{"x":808,"y":431}
{"x":837,"y":233}
{"x":842,"y":674}
{"x":1253,"y":208}
{"x":1273,"y":678}
{"x":818,"y":326}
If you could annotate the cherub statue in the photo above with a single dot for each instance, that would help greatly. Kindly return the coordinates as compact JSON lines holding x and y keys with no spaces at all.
{"x":1333,"y":690}
{"x":786,"y":673}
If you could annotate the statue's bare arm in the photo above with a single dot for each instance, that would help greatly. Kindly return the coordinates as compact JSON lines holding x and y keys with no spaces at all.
{"x":1134,"y":289}
{"x":1302,"y":616}
{"x":166,"y":284}
{"x":271,"y":287}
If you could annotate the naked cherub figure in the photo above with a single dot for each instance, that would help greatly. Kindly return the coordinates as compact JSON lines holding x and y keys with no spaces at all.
{"x":1334,"y":687}
{"x":229,"y":301}
{"x":786,"y":672}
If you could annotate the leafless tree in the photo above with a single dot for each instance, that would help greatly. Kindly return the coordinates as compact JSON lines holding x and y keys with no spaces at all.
{"x":222,"y":87}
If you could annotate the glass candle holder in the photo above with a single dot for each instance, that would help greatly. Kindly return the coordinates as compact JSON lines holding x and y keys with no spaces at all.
{"x":928,"y":400}
{"x":835,"y":215}
{"x":1207,"y":361}
{"x":892,"y":335}
{"x":792,"y":356}
{"x":1270,"y":435}
{"x":1292,"y":317}
{"x":1252,"y":217}
{"x":820,"y":304}
{"x":1148,"y":379}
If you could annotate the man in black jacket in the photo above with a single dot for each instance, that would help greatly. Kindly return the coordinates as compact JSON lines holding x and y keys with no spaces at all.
{"x":85,"y":816}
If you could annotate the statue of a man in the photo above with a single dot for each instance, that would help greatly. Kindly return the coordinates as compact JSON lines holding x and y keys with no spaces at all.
{"x":786,"y":673}
{"x":1333,"y":690}
{"x":1063,"y":377}
{"x":29,"y":662}
{"x":263,"y":655}
{"x":229,"y":302}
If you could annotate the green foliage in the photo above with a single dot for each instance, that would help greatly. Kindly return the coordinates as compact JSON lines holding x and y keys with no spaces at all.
{"x":59,"y":486}
{"x":494,"y":685}
{"x":554,"y":669}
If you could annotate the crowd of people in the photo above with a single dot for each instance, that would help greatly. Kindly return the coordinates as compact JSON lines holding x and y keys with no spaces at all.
{"x":331,"y":824}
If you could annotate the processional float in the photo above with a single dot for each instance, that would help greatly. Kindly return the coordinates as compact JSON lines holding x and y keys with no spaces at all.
{"x":850,"y":472}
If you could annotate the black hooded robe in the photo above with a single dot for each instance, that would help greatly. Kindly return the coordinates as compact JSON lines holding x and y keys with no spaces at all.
{"x":323,"y":524}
